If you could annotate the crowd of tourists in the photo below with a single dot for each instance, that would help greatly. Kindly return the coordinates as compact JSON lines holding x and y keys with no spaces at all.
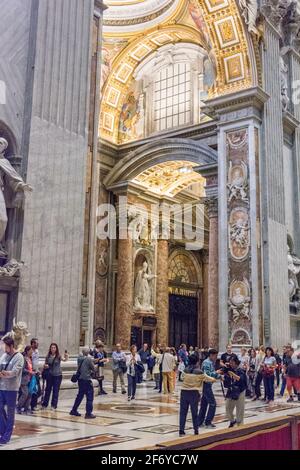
{"x":27,"y":383}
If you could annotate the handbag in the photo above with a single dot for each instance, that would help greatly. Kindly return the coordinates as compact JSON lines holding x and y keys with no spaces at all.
{"x":75,"y":377}
{"x":140,"y":367}
{"x":33,"y":386}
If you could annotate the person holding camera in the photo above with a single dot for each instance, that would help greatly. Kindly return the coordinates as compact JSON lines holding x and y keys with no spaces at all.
{"x":100,"y":360}
{"x":193,"y":379}
{"x":235,"y":381}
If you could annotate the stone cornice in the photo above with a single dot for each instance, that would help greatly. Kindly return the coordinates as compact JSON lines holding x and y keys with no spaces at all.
{"x":290,"y":123}
{"x":254,"y":97}
{"x":99,"y":6}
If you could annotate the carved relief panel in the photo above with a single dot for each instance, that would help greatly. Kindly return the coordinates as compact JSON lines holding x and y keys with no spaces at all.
{"x":239,"y":230}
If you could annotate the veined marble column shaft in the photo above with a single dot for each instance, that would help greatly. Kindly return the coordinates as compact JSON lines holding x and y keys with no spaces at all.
{"x":124,"y":305}
{"x":204,"y":317}
{"x":213,"y":273}
{"x":162,"y":294}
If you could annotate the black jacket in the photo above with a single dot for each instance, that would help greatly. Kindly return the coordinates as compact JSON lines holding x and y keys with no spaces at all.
{"x":235,"y":387}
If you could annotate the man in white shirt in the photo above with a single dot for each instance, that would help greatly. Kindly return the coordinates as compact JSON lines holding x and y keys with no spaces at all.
{"x":168,"y":365}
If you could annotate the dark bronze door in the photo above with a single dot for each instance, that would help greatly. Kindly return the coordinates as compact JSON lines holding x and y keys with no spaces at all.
{"x":183,"y":320}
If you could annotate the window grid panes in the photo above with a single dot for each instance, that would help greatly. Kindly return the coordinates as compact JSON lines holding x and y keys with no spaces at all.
{"x":172,"y":97}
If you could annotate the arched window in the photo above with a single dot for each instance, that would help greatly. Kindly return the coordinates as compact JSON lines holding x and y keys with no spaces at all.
{"x":171,"y":82}
{"x":182,"y":270}
{"x":172,"y":97}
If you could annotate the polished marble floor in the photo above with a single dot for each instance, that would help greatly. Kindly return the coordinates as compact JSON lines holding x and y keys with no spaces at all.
{"x":149,"y":420}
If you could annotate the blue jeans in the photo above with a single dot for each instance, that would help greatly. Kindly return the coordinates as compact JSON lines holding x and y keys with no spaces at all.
{"x":269,"y":385}
{"x":208,"y":401}
{"x":283,"y":385}
{"x":189,"y":398}
{"x":85,"y":389}
{"x":52,"y":385}
{"x":132,"y":381}
{"x":7,"y":416}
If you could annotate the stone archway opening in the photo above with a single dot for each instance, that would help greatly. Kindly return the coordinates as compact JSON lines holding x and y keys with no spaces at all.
{"x":164,"y":188}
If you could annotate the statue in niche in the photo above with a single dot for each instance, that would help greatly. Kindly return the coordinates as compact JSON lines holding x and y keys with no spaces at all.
{"x":143,"y":289}
{"x":293,"y":271}
{"x":284,"y":71}
{"x":12,"y":192}
{"x":102,"y":267}
{"x":238,"y":182}
{"x":249,"y":10}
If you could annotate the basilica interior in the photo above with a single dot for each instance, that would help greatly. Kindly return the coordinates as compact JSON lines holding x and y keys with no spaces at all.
{"x":180,"y":117}
{"x":150,"y":192}
{"x":160,"y":144}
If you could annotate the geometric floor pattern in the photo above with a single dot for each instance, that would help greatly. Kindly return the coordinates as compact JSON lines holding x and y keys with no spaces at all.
{"x":150,"y":419}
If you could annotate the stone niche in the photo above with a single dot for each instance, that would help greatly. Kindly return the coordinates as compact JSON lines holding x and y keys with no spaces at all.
{"x":144,"y":283}
{"x":10,"y":242}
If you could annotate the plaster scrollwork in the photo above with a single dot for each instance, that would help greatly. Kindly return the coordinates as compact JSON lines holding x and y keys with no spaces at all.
{"x":241,"y":337}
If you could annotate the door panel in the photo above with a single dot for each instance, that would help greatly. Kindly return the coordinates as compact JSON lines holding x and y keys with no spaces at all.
{"x":183,"y":320}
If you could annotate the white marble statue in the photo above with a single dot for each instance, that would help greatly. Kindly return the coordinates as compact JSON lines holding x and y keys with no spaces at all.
{"x":293,"y":271}
{"x":249,"y":10}
{"x":19,"y":334}
{"x":238,"y":182}
{"x":138,"y":224}
{"x":11,"y":268}
{"x":284,"y":70}
{"x":143,"y":289}
{"x":11,"y":192}
{"x":239,"y":233}
{"x":239,"y":305}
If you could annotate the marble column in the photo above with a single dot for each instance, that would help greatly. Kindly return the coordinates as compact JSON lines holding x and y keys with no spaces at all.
{"x":162,"y":293}
{"x":203,"y":320}
{"x":124,"y":304}
{"x":213,"y":273}
{"x":239,"y":217}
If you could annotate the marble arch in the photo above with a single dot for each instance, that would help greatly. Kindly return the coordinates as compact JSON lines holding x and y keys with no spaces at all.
{"x":195,"y":277}
{"x":165,"y":150}
{"x":226,"y":39}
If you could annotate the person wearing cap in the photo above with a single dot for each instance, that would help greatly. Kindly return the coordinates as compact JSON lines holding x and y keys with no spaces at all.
{"x":208,"y":402}
{"x":193,"y":379}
